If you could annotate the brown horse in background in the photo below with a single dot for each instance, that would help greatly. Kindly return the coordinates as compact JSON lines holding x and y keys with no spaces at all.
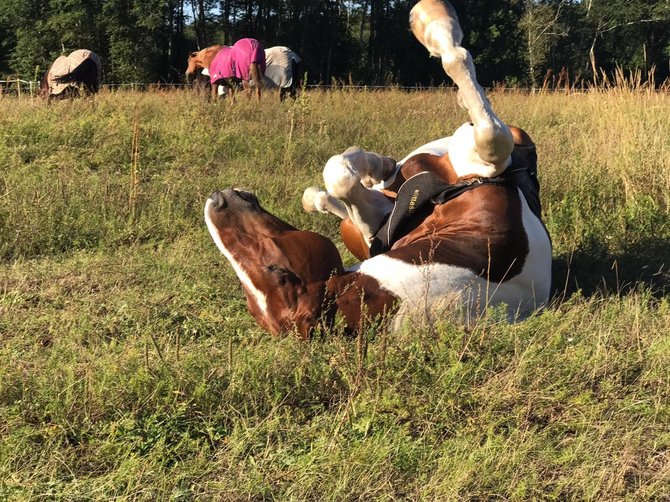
{"x":199,"y":61}
{"x":69,"y":76}
{"x":202,"y":60}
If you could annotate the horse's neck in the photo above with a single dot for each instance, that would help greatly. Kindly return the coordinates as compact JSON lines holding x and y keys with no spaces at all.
{"x":209,"y":55}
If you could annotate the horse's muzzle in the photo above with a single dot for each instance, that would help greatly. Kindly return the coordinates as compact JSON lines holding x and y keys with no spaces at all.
{"x":233,"y":198}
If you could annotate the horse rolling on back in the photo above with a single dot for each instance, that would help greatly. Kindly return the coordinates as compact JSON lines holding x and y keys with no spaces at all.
{"x":243,"y":62}
{"x":72,"y":75}
{"x":455,"y":227}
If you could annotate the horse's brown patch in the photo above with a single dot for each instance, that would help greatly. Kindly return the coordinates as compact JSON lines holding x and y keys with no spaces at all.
{"x":359,"y":298}
{"x":354,"y":240}
{"x":480,"y":230}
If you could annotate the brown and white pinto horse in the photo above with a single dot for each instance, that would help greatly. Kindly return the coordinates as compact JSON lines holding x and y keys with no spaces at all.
{"x":485,"y":246}
{"x":253,"y":72}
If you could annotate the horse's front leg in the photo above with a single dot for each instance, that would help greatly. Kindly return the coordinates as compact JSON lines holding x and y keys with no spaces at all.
{"x":230,"y":89}
{"x":247,"y":88}
{"x":349,"y":178}
{"x":256,"y":75}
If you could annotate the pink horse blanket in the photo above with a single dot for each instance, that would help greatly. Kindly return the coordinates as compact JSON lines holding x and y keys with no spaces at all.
{"x":235,"y":61}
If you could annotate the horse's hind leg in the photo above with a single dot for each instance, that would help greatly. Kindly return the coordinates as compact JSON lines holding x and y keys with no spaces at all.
{"x":229,"y":85}
{"x":486,"y":144}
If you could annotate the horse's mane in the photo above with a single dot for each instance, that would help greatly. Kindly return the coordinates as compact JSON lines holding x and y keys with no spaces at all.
{"x":211,"y":48}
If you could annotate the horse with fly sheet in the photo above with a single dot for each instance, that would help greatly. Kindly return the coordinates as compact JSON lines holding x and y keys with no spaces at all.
{"x":69,"y":76}
{"x":282,"y":70}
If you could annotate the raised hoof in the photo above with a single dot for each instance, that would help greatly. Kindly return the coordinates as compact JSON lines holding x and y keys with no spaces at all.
{"x":312,"y":200}
{"x":433,"y":23}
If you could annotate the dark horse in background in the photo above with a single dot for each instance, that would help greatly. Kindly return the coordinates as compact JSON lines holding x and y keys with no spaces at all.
{"x":70,"y":76}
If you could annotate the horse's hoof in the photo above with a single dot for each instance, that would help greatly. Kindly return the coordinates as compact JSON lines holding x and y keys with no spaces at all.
{"x":312,"y":200}
{"x":435,"y":24}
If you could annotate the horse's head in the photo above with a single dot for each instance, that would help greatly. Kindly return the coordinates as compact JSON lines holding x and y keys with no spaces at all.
{"x":283,"y":270}
{"x":194,"y":64}
{"x":200,"y":59}
{"x":44,"y":85}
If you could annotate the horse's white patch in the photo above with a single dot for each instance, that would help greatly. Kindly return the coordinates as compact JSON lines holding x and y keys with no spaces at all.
{"x":438,"y":147}
{"x":423,"y":287}
{"x":536,"y":273}
{"x":465,"y":157}
{"x":261,"y":299}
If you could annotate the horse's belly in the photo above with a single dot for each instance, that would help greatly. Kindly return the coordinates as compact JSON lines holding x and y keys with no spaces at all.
{"x":435,"y":289}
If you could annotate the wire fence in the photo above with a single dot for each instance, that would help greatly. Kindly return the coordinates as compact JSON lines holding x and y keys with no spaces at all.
{"x":19,"y":87}
{"x":31,"y":88}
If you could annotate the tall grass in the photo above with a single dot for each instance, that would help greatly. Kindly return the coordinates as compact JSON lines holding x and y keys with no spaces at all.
{"x":130,"y":369}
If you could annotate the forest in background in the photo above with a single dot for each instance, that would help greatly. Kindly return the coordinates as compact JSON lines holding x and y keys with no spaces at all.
{"x":514,"y":42}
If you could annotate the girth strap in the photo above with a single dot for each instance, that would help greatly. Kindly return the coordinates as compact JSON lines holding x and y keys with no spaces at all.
{"x":453,"y":191}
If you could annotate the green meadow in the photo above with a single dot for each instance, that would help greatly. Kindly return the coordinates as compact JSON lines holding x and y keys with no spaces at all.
{"x":131,"y":370}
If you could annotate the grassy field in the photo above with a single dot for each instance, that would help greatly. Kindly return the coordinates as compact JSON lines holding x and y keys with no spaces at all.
{"x":130,"y":369}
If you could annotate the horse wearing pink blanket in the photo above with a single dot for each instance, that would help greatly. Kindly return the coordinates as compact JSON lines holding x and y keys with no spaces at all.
{"x":244,"y":61}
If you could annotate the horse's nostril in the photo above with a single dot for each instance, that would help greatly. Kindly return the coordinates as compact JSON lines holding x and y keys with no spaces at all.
{"x":246,"y":196}
{"x":219,"y":200}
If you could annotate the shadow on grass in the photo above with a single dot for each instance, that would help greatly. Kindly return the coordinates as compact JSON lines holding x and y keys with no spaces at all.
{"x":595,"y":270}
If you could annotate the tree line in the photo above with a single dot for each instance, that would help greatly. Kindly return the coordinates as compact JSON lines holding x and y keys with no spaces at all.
{"x":514,"y":42}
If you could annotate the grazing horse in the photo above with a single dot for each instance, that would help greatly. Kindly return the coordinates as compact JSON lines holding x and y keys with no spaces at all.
{"x":197,"y":70}
{"x":454,"y":227}
{"x":243,"y":62}
{"x":282,"y":70}
{"x":69,"y":75}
